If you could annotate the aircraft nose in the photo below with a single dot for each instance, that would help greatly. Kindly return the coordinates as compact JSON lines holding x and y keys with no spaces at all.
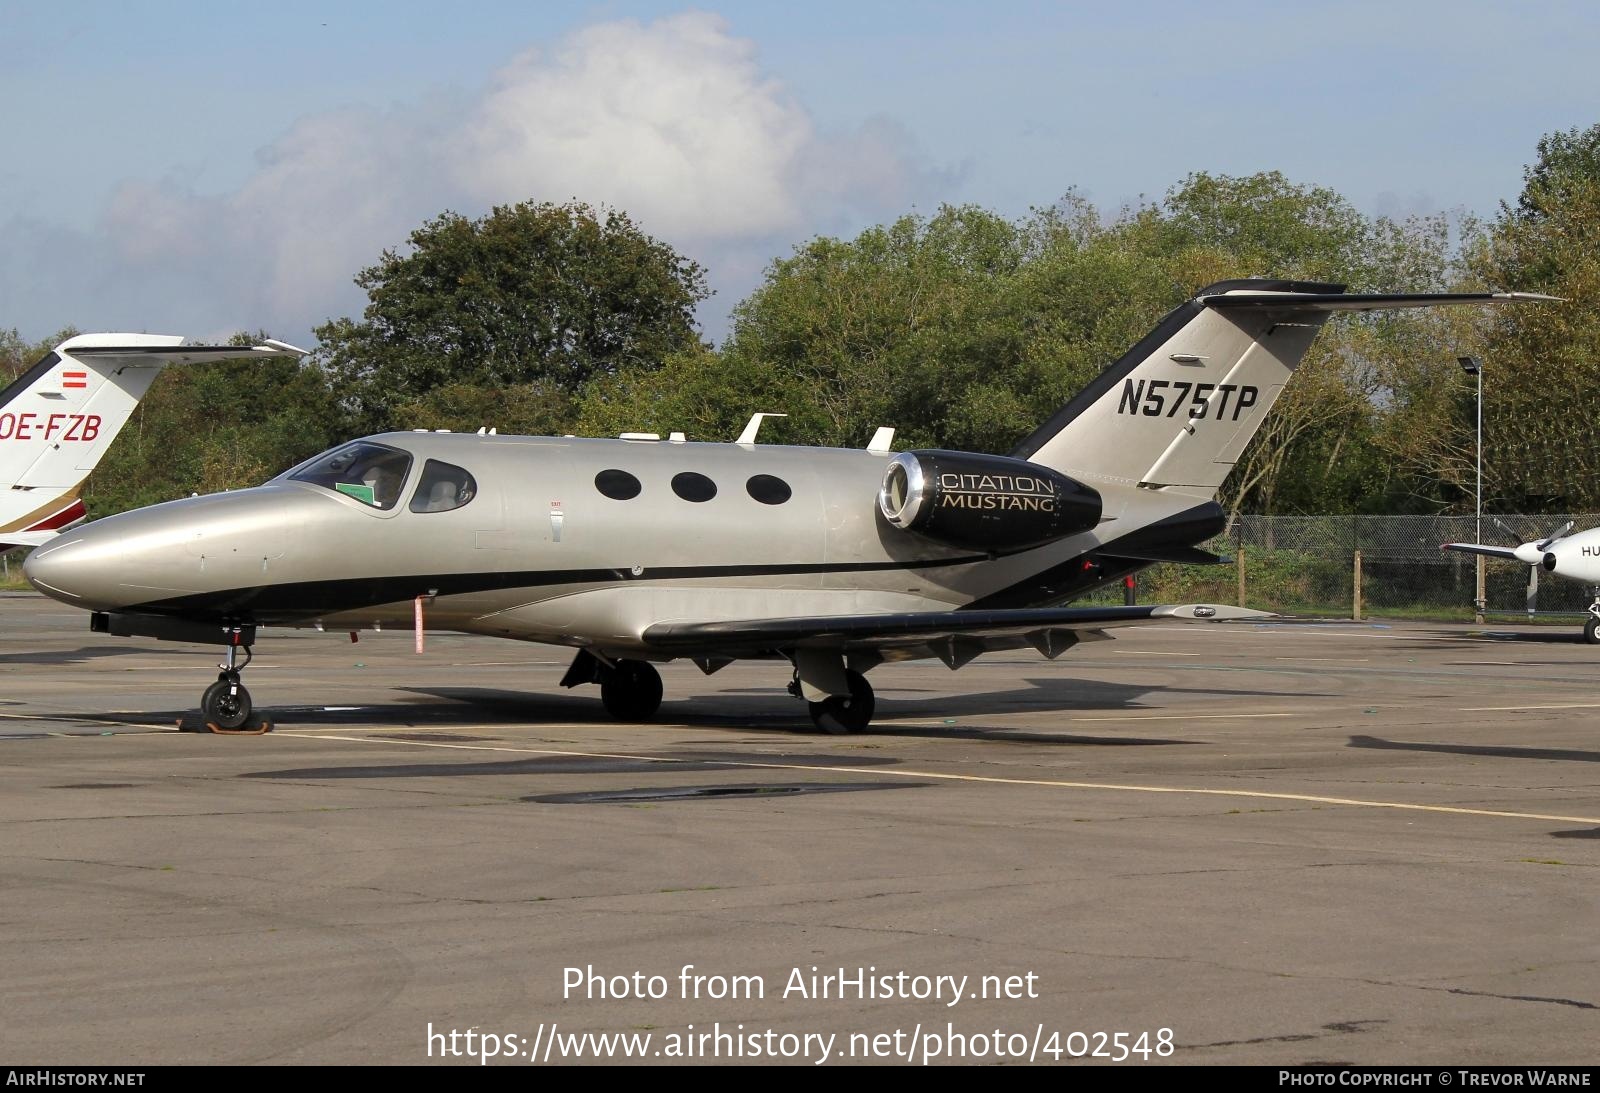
{"x":194,"y":546}
{"x":72,"y":569}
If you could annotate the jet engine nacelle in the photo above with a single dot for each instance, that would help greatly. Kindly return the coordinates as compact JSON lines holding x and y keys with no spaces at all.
{"x":988,"y":502}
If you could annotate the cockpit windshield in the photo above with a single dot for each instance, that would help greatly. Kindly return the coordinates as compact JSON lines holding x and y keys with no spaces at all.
{"x":371,"y":473}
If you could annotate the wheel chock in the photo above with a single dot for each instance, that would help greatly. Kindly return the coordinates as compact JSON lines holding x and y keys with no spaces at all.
{"x":260,"y":727}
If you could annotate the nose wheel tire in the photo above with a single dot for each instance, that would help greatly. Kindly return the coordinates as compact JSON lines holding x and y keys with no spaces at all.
{"x":1591,"y":630}
{"x":631,"y":691}
{"x":843,"y":715}
{"x":226,"y":704}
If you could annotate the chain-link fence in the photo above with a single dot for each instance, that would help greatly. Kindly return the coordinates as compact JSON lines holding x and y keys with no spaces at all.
{"x":1309,"y":565}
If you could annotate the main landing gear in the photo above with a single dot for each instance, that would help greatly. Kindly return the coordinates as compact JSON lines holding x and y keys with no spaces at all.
{"x":1591,"y":625}
{"x":630,"y":690}
{"x":839,"y":698}
{"x":843,"y":715}
{"x":226,"y":704}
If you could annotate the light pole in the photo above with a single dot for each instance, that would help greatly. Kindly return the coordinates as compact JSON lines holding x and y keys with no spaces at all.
{"x":1473,"y":367}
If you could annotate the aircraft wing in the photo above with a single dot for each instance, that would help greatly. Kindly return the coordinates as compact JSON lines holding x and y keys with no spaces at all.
{"x":1047,"y":629}
{"x":1478,"y":548}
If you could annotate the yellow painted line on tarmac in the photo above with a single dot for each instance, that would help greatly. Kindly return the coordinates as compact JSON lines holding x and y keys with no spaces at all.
{"x":1506,"y":709}
{"x":1174,"y":717}
{"x":879,"y":772}
{"x":75,"y":720}
{"x":1328,"y":660}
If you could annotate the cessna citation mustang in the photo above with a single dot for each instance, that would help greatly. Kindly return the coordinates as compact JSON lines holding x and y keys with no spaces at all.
{"x":636,"y":550}
{"x":59,"y":417}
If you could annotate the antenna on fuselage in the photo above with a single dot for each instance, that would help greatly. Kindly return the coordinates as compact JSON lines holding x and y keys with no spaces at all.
{"x":754,"y":427}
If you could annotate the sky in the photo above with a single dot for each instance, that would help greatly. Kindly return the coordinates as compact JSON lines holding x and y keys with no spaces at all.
{"x":203,"y":168}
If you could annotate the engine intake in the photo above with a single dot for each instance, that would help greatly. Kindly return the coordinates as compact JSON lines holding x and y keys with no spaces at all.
{"x":989,"y":502}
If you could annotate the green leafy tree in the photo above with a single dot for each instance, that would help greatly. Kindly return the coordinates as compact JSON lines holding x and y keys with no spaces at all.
{"x":706,"y":395}
{"x":1542,"y":363}
{"x":548,"y":296}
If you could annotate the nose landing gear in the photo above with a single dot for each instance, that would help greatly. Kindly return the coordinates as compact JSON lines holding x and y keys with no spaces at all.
{"x":226,"y":704}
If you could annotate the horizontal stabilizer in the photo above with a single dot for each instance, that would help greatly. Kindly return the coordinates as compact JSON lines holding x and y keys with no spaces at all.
{"x":155,"y":356}
{"x":1370,"y":301}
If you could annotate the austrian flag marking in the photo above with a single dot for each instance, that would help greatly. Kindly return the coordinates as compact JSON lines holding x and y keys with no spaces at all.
{"x":74,"y":379}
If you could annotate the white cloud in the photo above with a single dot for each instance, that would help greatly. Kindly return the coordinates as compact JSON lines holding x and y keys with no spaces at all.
{"x":673,"y":121}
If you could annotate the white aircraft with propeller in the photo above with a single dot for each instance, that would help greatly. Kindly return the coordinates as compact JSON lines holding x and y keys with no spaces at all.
{"x":1561,"y":553}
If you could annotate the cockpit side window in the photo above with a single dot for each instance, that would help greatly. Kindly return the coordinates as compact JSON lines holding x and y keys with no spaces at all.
{"x":443,"y":487}
{"x":373,"y":474}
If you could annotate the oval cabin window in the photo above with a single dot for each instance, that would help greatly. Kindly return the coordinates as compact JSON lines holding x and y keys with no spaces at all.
{"x":617,"y":485}
{"x":768,"y":490}
{"x":693,"y":487}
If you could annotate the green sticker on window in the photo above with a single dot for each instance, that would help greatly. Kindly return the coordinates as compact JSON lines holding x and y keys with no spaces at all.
{"x":358,"y":490}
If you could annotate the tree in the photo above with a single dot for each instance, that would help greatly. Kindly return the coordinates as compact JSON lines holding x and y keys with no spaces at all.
{"x":1543,"y":362}
{"x":548,"y":296}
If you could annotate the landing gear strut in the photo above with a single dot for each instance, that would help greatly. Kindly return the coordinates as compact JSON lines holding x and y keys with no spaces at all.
{"x":226,"y":704}
{"x":842,"y":715}
{"x":1591,"y":625}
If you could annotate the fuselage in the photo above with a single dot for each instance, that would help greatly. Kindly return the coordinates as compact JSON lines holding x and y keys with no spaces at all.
{"x":564,"y":540}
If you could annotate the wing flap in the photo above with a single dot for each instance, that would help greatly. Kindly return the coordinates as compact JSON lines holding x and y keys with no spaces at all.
{"x":921,"y":627}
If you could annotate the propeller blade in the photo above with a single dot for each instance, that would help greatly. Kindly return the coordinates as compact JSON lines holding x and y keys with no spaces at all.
{"x":1513,"y":536}
{"x":1558,"y":534}
{"x":1533,"y":589}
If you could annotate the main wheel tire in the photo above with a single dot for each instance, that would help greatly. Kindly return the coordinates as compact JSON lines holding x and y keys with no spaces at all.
{"x":631,"y":691}
{"x":1591,"y":630}
{"x":225,"y":705}
{"x":843,"y":715}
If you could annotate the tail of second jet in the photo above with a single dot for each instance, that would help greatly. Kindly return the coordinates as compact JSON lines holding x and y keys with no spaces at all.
{"x":59,"y":417}
{"x":1179,"y":408}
